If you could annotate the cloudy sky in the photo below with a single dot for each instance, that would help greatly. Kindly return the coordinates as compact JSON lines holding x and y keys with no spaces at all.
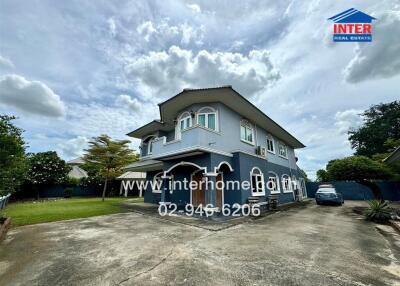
{"x":71,"y":70}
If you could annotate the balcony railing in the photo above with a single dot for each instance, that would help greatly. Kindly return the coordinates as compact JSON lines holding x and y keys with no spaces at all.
{"x":191,"y":138}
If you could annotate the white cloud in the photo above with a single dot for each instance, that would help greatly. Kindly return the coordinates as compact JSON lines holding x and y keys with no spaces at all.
{"x":146,"y":29}
{"x":6,"y":63}
{"x":164,"y":32}
{"x":165,"y":73}
{"x":72,"y":148}
{"x":112,"y":26}
{"x":380,"y":58}
{"x":125,"y":100}
{"x":348,"y":119}
{"x":194,"y":7}
{"x":30,"y":96}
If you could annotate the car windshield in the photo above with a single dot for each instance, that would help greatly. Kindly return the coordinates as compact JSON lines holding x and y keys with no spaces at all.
{"x":326,"y":190}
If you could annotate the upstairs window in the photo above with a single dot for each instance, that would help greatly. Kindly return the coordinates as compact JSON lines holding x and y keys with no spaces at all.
{"x":282,"y":150}
{"x":270,"y":144}
{"x":148,"y":144}
{"x":246,"y":132}
{"x":185,"y":122}
{"x":207,"y":117}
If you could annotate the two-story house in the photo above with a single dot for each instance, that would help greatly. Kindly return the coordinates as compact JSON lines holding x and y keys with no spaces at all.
{"x":216,"y":133}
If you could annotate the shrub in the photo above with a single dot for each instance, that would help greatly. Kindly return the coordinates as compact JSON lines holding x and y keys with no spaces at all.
{"x":68,"y":192}
{"x":378,"y":211}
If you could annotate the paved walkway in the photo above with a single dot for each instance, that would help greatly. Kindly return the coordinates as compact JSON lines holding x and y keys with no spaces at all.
{"x":308,"y":245}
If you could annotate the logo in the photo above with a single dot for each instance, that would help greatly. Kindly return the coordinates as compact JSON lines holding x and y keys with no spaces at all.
{"x":352,"y":26}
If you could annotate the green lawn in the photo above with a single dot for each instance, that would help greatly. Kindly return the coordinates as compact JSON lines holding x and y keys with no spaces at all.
{"x":61,"y":209}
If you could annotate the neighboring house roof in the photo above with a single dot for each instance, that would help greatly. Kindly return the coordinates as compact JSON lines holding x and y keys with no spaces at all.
{"x":226,"y":95}
{"x":76,"y":161}
{"x":393,"y":157}
{"x":77,"y":173}
{"x":352,"y":16}
{"x":132,"y":176}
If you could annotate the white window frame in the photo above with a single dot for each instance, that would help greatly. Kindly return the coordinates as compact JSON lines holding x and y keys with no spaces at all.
{"x":270,"y":138}
{"x":148,"y":140}
{"x":184,"y":115}
{"x":289,"y":188}
{"x":280,"y":144}
{"x":276,"y":177}
{"x":206,"y":117}
{"x":156,"y":177}
{"x":247,"y":124}
{"x":184,"y":119}
{"x":261,"y":177}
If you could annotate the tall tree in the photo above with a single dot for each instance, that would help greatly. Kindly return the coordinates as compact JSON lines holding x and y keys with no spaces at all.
{"x":12,"y":155}
{"x":46,"y":168}
{"x":380,"y":129}
{"x":109,"y":156}
{"x":361,"y":169}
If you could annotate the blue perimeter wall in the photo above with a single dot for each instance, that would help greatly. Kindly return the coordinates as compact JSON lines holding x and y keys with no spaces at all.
{"x":355,"y":191}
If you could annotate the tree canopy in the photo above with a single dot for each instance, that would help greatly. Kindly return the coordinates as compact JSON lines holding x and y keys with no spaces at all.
{"x":357,"y":168}
{"x":361,"y":169}
{"x":47,"y":168}
{"x":12,"y":155}
{"x":109,"y":157}
{"x":380,"y":132}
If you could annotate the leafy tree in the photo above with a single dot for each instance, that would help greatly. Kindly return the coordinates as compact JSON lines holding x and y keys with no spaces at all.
{"x":322,"y":176}
{"x":108,"y":157}
{"x":380,"y":132}
{"x":361,"y":169}
{"x":12,"y":155}
{"x":46,"y":168}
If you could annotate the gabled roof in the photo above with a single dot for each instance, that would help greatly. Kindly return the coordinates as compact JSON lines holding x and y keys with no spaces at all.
{"x":225,"y":95}
{"x":77,"y":173}
{"x":352,"y":16}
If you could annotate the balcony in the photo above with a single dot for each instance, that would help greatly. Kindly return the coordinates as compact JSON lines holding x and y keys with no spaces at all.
{"x":196,"y":138}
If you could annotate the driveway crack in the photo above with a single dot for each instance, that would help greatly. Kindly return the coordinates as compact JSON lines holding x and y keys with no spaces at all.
{"x":149,"y":269}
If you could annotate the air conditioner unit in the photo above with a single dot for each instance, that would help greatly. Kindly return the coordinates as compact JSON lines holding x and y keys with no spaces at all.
{"x":262,"y":151}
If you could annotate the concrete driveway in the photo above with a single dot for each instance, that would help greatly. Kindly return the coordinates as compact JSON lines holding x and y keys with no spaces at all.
{"x":307,"y":245}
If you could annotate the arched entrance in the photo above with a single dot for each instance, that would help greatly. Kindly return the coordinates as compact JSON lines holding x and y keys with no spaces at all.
{"x":222,"y":171}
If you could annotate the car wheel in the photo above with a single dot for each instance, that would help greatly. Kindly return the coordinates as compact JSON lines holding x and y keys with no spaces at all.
{"x":317,"y":203}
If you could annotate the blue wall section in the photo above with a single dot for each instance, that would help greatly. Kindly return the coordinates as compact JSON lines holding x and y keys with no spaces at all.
{"x":242,"y":165}
{"x":355,"y":191}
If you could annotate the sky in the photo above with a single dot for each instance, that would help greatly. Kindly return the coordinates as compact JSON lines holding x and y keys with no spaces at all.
{"x":71,"y":70}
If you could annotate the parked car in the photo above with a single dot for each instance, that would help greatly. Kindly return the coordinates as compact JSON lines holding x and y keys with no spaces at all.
{"x":326,"y":194}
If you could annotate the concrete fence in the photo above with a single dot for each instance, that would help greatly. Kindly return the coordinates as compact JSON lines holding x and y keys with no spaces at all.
{"x":356,"y":191}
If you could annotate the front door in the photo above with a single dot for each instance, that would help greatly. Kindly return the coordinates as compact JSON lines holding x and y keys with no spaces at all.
{"x":198,"y":194}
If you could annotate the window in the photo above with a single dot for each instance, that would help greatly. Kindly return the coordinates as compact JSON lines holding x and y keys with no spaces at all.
{"x":273,"y":183}
{"x":286,"y":184}
{"x":186,"y":122}
{"x":282,"y":150}
{"x":148,"y":145}
{"x":257,"y":182}
{"x":206,"y":117}
{"x":270,"y":144}
{"x":157,"y":183}
{"x":246,"y":132}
